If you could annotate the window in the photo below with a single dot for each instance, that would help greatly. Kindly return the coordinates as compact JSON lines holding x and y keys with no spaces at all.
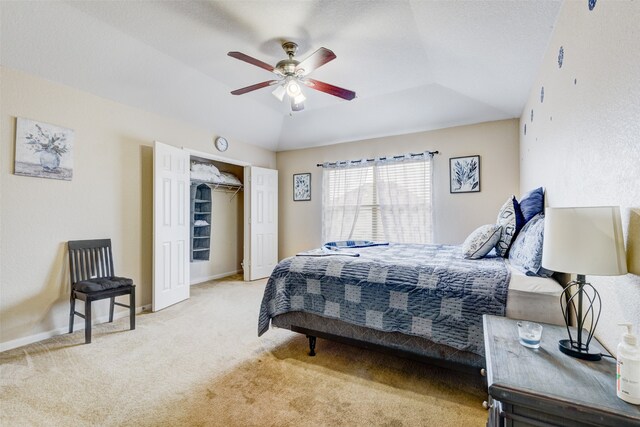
{"x":383,"y":201}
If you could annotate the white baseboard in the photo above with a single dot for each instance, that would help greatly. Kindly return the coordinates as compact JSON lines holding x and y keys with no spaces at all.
{"x":9,"y":345}
{"x":199,"y":280}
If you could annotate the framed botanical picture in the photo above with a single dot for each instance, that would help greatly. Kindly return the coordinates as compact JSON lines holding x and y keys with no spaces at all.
{"x":43,"y":150}
{"x":464,"y":174}
{"x":301,"y":187}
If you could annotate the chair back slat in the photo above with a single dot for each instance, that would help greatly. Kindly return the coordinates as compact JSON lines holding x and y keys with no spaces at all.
{"x":84,"y":264}
{"x":95,"y":259}
{"x":73,"y":266}
{"x":90,"y":259}
{"x":79,"y":266}
{"x":103,"y":263}
{"x":110,"y":263}
{"x":91,"y":264}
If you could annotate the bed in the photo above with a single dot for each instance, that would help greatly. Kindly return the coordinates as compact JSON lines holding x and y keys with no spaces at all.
{"x":420,"y":301}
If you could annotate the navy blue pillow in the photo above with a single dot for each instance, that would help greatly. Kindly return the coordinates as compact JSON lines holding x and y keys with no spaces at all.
{"x":532,"y":203}
{"x":520,"y":222}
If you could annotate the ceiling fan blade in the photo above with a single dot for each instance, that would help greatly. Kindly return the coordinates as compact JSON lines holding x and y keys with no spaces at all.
{"x":253,"y":61}
{"x":316,"y":60}
{"x":296,"y":106}
{"x":330,"y":89}
{"x":254,"y":87}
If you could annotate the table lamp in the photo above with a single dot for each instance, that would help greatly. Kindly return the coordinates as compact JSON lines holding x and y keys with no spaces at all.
{"x":583,"y":241}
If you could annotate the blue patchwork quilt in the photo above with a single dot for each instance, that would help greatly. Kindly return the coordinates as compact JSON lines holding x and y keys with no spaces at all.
{"x":430,"y":291}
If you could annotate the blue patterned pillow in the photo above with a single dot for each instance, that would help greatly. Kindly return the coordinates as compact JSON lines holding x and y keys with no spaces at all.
{"x":532,"y":203}
{"x":481,"y":241}
{"x":506,"y":219}
{"x":526,"y":251}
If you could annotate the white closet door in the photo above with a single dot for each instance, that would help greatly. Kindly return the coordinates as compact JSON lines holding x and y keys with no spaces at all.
{"x":263,"y":222}
{"x":171,"y":180}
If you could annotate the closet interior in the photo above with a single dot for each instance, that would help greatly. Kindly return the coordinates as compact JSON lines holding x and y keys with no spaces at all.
{"x":217,"y":212}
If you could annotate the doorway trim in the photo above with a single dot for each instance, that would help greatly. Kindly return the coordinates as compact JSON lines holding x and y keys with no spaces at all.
{"x":210,"y":156}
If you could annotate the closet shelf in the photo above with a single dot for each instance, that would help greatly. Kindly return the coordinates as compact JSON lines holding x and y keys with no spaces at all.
{"x":200,"y":250}
{"x":202,"y":225}
{"x":227,"y":188}
{"x":201,"y":237}
{"x":202,"y":201}
{"x":202,"y":213}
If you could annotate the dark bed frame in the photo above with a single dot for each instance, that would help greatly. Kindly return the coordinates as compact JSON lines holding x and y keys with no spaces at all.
{"x":312,"y":335}
{"x":412,"y":347}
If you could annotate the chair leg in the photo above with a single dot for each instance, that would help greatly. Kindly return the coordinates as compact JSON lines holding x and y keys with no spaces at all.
{"x":113,"y":300}
{"x":72,"y":314}
{"x":87,"y":321}
{"x":132,"y":309}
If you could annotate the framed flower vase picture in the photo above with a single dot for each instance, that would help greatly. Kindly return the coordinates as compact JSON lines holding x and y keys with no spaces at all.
{"x":301,"y":187}
{"x":43,"y":150}
{"x":464,"y":174}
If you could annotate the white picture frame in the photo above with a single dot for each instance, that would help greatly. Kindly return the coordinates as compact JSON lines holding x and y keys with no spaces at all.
{"x":43,"y":150}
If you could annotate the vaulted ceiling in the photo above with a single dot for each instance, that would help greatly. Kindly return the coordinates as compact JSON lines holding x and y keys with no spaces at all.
{"x":415,"y":65}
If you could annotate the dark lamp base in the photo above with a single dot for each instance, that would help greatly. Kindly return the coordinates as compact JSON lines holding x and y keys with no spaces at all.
{"x":584,"y":354}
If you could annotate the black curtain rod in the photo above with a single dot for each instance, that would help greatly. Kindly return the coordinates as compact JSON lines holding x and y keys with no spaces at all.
{"x":379,"y":158}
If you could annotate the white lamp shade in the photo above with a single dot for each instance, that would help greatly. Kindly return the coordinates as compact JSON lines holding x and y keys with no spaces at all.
{"x":279,"y":92}
{"x":299,"y":99}
{"x":584,"y":241}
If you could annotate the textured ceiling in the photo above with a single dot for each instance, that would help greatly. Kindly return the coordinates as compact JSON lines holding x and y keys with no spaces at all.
{"x":415,"y":65}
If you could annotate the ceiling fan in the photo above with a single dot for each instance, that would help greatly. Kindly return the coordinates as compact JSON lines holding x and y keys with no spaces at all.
{"x":292,"y":74}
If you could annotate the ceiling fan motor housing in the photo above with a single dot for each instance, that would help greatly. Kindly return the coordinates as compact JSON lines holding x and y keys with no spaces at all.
{"x":288,"y":66}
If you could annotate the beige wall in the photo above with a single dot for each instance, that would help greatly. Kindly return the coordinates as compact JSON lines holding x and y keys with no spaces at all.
{"x":110,"y":196}
{"x":583,"y":143}
{"x":456,"y":215}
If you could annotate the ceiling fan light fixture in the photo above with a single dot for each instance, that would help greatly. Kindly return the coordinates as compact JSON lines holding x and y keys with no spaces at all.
{"x":299,"y":99}
{"x":279,"y":92}
{"x":296,"y":106}
{"x":293,"y":88}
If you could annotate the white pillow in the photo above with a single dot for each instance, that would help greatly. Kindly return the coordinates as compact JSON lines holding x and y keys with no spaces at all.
{"x":507,"y":219}
{"x":481,"y":241}
{"x":231,"y":179}
{"x":204,"y":167}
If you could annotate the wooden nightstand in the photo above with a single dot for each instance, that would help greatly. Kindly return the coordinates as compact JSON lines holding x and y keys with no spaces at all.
{"x":545,"y":387}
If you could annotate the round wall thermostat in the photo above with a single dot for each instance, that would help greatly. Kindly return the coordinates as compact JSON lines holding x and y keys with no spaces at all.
{"x":222,"y":144}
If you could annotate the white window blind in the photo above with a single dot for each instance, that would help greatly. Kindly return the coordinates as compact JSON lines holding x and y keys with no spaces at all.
{"x":384,"y":201}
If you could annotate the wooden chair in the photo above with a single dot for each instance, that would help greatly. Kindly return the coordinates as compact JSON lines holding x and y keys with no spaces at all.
{"x":92,"y":279}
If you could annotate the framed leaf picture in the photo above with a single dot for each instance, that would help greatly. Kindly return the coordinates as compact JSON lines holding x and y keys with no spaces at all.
{"x":301,"y":187}
{"x":43,"y":150}
{"x":464,"y":174}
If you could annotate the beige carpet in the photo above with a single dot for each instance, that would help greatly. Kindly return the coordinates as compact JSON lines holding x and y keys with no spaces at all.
{"x":200,"y":363}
